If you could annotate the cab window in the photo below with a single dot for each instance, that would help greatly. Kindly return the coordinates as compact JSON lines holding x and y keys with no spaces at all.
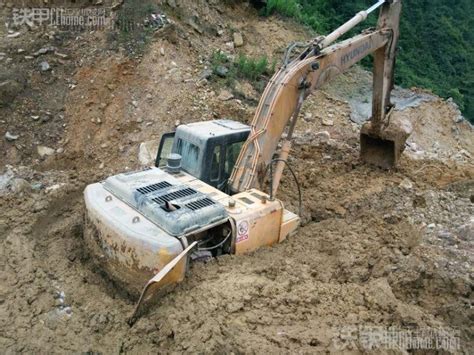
{"x":189,"y":156}
{"x":233,"y":152}
{"x":215,"y":163}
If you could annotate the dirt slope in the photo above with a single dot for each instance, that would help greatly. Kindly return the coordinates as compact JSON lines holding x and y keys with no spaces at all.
{"x":376,"y":248}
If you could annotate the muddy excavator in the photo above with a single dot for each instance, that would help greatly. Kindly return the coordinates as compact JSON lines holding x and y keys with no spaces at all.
{"x":207,"y":195}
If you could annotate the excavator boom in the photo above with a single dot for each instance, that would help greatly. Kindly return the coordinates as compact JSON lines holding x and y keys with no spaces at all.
{"x":318,"y":64}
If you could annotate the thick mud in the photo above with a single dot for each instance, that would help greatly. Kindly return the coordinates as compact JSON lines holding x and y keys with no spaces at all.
{"x":357,"y":261}
{"x":376,"y":248}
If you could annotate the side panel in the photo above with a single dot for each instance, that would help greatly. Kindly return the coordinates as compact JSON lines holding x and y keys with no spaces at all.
{"x":126,"y":245}
{"x":257,"y":224}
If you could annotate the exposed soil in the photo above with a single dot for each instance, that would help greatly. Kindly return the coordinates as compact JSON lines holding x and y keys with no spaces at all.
{"x":376,"y":248}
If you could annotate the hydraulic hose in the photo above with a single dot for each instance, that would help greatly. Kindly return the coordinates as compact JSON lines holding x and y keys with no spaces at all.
{"x":300,"y":203}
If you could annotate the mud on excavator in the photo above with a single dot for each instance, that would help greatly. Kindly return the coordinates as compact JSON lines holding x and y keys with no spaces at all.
{"x":204,"y":197}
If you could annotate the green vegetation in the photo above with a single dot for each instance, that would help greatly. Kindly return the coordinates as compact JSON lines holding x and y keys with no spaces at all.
{"x":218,"y":58}
{"x":242,"y":67}
{"x":252,"y":69}
{"x":436,"y":44}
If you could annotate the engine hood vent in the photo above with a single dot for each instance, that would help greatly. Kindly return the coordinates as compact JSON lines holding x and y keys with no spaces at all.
{"x":151,"y":190}
{"x":197,"y":205}
{"x":154,"y":187}
{"x":187,"y":191}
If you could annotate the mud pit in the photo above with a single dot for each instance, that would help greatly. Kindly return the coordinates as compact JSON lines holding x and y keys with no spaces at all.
{"x":354,"y":262}
{"x":376,"y":248}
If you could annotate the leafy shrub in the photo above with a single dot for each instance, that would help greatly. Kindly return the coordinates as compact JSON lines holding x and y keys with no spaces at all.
{"x":251,"y":68}
{"x":243,"y":67}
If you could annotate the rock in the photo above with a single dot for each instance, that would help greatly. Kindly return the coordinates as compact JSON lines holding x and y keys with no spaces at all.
{"x":406,"y":184}
{"x":44,"y":66}
{"x":19,"y":185}
{"x":413,"y":146}
{"x":465,"y":153}
{"x":45,"y":151}
{"x":206,"y":74}
{"x":459,"y":119}
{"x":327,"y":122}
{"x":246,"y":90}
{"x":44,"y":50}
{"x":11,"y":137}
{"x":308,"y":117}
{"x":162,"y":51}
{"x":238,"y":39}
{"x":6,"y":178}
{"x":55,"y":187}
{"x":171,"y":3}
{"x":323,"y":136}
{"x":14,"y":35}
{"x":222,"y":71}
{"x":135,"y":104}
{"x":225,"y":95}
{"x":37,"y":186}
{"x":193,"y":22}
{"x":147,"y":152}
{"x":61,"y":55}
{"x":466,"y":231}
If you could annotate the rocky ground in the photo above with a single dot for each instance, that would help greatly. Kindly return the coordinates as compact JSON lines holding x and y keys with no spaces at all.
{"x":376,"y":248}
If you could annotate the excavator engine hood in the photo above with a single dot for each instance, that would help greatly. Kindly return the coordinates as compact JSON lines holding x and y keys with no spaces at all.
{"x":173,"y":206}
{"x":137,"y":222}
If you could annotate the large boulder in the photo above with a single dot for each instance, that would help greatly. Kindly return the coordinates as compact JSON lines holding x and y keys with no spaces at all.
{"x":147,"y":152}
{"x":238,"y":39}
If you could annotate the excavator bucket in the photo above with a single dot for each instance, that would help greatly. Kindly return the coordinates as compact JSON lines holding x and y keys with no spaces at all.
{"x":383,"y":148}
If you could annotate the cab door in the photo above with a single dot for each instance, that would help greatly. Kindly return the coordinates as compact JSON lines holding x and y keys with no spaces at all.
{"x":221,"y":160}
{"x":216,"y":166}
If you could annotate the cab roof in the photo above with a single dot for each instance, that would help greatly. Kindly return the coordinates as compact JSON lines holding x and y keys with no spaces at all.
{"x":210,"y":129}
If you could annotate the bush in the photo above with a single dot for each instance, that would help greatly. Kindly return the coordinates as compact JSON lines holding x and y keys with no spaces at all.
{"x":252,"y":68}
{"x":243,"y":67}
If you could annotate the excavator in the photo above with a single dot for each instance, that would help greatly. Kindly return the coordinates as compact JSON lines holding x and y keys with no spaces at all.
{"x":207,"y":195}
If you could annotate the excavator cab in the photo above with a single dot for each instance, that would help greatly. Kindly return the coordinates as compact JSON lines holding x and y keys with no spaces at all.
{"x":208,"y":149}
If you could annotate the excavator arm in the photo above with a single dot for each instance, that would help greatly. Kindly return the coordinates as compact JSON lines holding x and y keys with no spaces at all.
{"x":321,"y":62}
